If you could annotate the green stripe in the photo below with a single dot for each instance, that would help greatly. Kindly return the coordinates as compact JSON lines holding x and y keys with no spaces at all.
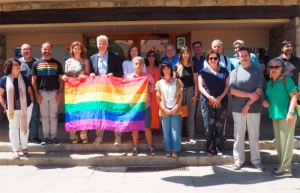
{"x":107,"y":106}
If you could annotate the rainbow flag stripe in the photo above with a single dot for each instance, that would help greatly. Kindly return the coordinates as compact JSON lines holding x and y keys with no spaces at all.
{"x":105,"y":103}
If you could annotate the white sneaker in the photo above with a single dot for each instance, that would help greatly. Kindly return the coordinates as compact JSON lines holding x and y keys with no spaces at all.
{"x":192,"y":141}
{"x":117,"y":141}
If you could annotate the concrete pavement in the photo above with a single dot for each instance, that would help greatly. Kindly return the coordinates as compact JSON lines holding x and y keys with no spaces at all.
{"x":47,"y":179}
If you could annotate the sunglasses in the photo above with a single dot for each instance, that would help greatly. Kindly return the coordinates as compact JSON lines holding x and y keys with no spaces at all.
{"x":213,"y":58}
{"x":274,"y":67}
{"x":152,"y":55}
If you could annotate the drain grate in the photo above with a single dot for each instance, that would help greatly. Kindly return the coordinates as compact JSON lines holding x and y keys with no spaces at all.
{"x":155,"y":169}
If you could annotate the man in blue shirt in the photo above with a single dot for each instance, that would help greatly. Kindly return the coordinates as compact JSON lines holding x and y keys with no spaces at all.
{"x":172,"y":58}
{"x":235,"y":59}
{"x":198,"y":59}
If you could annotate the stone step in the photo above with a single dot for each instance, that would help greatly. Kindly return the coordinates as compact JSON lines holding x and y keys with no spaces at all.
{"x":185,"y":158}
{"x":127,"y":146}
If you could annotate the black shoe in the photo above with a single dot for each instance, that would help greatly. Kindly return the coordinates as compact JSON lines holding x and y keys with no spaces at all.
{"x":36,"y":140}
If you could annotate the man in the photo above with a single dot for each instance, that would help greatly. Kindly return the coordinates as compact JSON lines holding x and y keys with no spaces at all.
{"x":106,"y":63}
{"x":246,"y":84}
{"x":235,"y":59}
{"x":292,"y":63}
{"x":172,"y":58}
{"x":48,"y":88}
{"x":138,"y":65}
{"x":217,"y":45}
{"x":26,"y":66}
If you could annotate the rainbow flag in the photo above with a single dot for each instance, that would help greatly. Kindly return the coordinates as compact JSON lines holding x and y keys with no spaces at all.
{"x":105,"y":103}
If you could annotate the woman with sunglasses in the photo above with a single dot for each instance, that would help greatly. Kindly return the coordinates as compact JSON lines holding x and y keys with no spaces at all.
{"x":281,"y":100}
{"x":16,"y":99}
{"x":152,"y":68}
{"x":213,"y":85}
{"x":186,"y":71}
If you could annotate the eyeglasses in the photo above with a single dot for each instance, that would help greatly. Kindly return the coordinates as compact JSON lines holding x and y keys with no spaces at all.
{"x":213,"y":58}
{"x":152,"y":55}
{"x":274,"y":67}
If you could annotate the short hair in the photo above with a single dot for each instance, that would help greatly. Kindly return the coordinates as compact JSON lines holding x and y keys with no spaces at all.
{"x":138,"y":58}
{"x":8,"y":65}
{"x":286,"y":42}
{"x":278,"y":61}
{"x":47,"y":42}
{"x":244,"y":49}
{"x":166,"y":65}
{"x":217,"y":40}
{"x":170,"y":45}
{"x":196,"y":42}
{"x":26,"y":45}
{"x":156,"y":63}
{"x":238,"y":42}
{"x":128,"y":56}
{"x":77,"y":43}
{"x":210,"y":52}
{"x":102,"y":37}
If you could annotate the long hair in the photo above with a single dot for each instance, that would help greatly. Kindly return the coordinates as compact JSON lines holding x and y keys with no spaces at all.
{"x":180,"y":61}
{"x":83,"y":50}
{"x":155,"y":61}
{"x":128,"y":56}
{"x":8,"y":65}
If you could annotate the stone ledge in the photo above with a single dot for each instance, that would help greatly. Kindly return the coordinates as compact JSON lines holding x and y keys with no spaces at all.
{"x":18,"y":5}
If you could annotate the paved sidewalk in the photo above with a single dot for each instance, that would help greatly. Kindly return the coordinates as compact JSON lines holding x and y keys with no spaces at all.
{"x":27,"y":179}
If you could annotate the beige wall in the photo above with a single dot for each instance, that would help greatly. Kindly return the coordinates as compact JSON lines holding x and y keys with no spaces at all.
{"x":37,"y":39}
{"x":252,"y":38}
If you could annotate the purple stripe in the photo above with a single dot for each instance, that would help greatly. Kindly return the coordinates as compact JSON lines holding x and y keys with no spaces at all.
{"x":95,"y":124}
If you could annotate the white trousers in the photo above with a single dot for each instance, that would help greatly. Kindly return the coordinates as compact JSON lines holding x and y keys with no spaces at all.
{"x":249,"y":122}
{"x":15,"y":136}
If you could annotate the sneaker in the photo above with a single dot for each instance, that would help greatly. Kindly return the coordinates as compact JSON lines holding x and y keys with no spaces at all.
{"x":36,"y":140}
{"x":152,"y":151}
{"x":135,"y":152}
{"x":273,"y":140}
{"x":117,"y":141}
{"x":282,"y":174}
{"x":192,"y":141}
{"x":236,"y":167}
{"x":98,"y":141}
{"x":56,"y":142}
{"x":45,"y":142}
{"x":295,"y":139}
{"x":259,"y":166}
{"x":275,"y":169}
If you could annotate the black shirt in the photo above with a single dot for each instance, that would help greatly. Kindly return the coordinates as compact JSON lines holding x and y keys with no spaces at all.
{"x":187,"y":77}
{"x":292,"y":67}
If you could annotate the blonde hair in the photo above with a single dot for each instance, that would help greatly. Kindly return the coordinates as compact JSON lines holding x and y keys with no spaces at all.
{"x":180,"y":61}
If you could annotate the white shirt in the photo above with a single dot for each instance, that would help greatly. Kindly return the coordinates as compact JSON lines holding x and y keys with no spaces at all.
{"x":169,"y":92}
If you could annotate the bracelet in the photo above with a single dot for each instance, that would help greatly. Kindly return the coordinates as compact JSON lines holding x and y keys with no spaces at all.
{"x":291,"y":112}
{"x":60,"y":91}
{"x":248,"y":104}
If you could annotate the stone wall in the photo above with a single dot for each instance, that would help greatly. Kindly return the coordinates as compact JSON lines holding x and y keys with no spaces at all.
{"x":15,"y":5}
{"x":289,"y":31}
{"x":2,"y":60}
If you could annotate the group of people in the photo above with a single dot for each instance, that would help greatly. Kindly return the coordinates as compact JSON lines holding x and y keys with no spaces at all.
{"x":32,"y":87}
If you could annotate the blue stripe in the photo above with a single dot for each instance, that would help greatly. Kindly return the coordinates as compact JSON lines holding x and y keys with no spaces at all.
{"x":105,"y":115}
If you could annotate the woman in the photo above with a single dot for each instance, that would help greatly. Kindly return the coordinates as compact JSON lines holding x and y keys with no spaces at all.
{"x":169,"y":98}
{"x":186,"y":71}
{"x":128,"y":67}
{"x":213,"y":85}
{"x":152,"y":68}
{"x":281,"y":100}
{"x":77,"y":66}
{"x":16,"y":99}
{"x":127,"y":64}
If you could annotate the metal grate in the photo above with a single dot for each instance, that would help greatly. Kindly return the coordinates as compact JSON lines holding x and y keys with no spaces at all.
{"x":155,"y":169}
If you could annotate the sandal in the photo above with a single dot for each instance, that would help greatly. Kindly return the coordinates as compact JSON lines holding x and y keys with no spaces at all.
{"x":174,"y":154}
{"x":25,"y":153}
{"x":168,"y":154}
{"x":85,"y":141}
{"x":209,"y":154}
{"x":16,"y":155}
{"x":220,"y":154}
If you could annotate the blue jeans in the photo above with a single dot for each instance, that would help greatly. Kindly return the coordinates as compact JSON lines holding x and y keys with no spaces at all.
{"x":171,"y":128}
{"x":35,"y":120}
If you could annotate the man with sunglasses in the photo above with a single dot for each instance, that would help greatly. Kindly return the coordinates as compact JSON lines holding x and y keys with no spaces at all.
{"x":292,"y":63}
{"x":234,"y":59}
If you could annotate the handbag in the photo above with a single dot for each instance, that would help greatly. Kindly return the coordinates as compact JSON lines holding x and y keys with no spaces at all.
{"x":297,"y":106}
{"x":184,"y":111}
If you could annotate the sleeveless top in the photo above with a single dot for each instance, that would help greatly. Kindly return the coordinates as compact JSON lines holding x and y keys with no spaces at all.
{"x":75,"y":70}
